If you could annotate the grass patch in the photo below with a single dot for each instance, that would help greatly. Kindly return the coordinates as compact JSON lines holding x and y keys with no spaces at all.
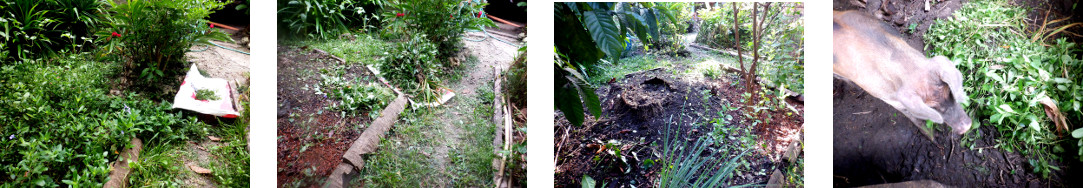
{"x":602,"y":72}
{"x":365,"y":49}
{"x":408,"y":156}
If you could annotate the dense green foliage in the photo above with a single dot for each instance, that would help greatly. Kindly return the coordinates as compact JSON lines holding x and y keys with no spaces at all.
{"x":782,"y":47}
{"x":31,"y":29}
{"x":442,"y":21}
{"x":322,"y":19}
{"x":409,"y":64}
{"x":1008,"y":75}
{"x":153,"y":35}
{"x":62,"y":128}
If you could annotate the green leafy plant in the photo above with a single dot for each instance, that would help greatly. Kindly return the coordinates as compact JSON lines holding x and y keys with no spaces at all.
{"x":1012,"y":79}
{"x":62,"y":129}
{"x":153,"y":35}
{"x":322,"y":19}
{"x":31,"y":29}
{"x":409,"y":64}
{"x":442,"y":21}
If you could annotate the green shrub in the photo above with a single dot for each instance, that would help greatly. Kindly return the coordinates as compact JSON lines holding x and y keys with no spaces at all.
{"x":442,"y":21}
{"x":32,"y":29}
{"x":322,"y":19}
{"x":61,"y":128}
{"x":1008,"y":74}
{"x":154,"y":35}
{"x":409,"y":65}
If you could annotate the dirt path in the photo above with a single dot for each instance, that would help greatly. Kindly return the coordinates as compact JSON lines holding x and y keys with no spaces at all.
{"x":490,"y":54}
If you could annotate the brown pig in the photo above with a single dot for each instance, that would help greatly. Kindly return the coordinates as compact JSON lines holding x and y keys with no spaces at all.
{"x":871,"y":55}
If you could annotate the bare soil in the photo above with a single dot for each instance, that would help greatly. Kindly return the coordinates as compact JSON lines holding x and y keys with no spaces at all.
{"x":639,"y":109}
{"x":304,"y":121}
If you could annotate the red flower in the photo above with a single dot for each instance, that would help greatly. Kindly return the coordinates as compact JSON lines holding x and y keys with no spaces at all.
{"x":212,"y":25}
{"x":115,"y":34}
{"x":451,"y":16}
{"x":479,"y":14}
{"x":400,"y":15}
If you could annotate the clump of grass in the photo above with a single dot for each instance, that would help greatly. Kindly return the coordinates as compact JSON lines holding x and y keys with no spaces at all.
{"x":685,"y":166}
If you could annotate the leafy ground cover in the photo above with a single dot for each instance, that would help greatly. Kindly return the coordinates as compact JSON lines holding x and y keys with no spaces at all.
{"x":71,"y":107}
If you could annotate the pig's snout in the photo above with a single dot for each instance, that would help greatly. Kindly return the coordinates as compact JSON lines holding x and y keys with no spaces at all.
{"x":957,"y":119}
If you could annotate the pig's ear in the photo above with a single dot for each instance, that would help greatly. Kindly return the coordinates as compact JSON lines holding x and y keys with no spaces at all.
{"x":951,"y":75}
{"x":918,"y":109}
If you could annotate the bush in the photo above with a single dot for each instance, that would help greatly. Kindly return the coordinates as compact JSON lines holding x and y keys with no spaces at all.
{"x":409,"y":65}
{"x":31,"y":29}
{"x":154,"y":35}
{"x":442,"y":21}
{"x":60,"y":127}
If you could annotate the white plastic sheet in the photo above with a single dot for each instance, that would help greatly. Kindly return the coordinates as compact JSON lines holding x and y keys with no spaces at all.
{"x":186,"y":95}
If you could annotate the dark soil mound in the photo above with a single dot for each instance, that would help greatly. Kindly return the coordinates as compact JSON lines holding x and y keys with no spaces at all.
{"x":638,"y":111}
{"x":874,"y":144}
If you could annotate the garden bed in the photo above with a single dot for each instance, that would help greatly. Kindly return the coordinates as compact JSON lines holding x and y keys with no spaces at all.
{"x":312,"y":138}
{"x":640,"y":108}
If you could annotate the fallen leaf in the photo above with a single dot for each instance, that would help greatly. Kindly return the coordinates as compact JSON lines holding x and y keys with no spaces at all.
{"x":213,"y":138}
{"x":199,"y":170}
{"x":1054,"y":114}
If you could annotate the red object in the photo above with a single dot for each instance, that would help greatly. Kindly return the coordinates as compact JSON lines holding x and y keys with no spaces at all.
{"x":400,"y":15}
{"x":212,"y":25}
{"x":451,"y":16}
{"x":479,"y":14}
{"x":115,"y":34}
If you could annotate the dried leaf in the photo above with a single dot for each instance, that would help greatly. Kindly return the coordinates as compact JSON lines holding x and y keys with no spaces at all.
{"x":199,"y":170}
{"x":1053,"y":112}
{"x":213,"y":138}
